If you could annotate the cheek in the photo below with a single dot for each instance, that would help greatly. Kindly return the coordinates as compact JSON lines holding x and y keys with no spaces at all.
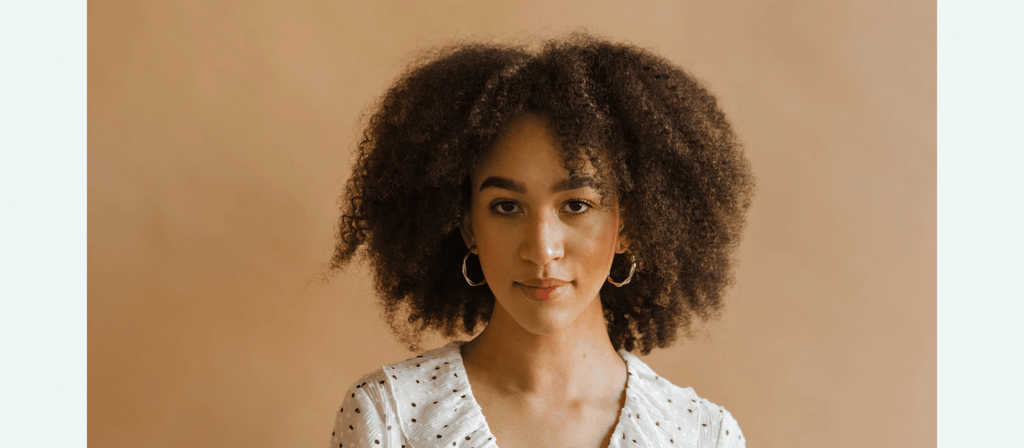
{"x":494,"y":240}
{"x":598,"y":237}
{"x":493,"y":253}
{"x":598,"y":251}
{"x":595,"y":248}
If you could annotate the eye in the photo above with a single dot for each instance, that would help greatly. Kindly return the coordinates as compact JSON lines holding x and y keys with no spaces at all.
{"x":577,"y":206}
{"x":505,"y":208}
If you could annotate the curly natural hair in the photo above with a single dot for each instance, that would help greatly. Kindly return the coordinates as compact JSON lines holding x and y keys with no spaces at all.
{"x":653,"y":132}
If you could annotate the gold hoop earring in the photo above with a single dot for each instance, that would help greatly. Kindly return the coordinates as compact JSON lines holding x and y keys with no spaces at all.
{"x":465,"y":274}
{"x":632,"y":269}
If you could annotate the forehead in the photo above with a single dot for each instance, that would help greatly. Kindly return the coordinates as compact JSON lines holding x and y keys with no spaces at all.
{"x":528,"y":151}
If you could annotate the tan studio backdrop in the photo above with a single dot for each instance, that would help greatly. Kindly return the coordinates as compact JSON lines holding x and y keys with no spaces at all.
{"x":221,"y":135}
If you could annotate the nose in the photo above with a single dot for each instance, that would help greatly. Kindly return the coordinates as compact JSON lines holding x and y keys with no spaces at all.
{"x":544,"y":241}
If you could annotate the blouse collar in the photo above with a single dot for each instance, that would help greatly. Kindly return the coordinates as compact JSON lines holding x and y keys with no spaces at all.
{"x":436,"y":407}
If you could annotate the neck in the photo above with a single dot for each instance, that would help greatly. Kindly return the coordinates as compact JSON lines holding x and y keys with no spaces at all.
{"x":576,"y":362}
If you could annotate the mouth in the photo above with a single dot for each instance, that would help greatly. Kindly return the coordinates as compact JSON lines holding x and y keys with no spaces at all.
{"x":546,"y":291}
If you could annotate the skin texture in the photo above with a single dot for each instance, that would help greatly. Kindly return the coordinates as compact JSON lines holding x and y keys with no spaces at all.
{"x":544,"y":368}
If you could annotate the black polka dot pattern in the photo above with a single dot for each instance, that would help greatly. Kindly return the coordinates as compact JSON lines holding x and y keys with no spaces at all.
{"x":433,"y":405}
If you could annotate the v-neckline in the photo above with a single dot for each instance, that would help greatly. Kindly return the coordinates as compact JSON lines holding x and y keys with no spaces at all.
{"x":624,"y":414}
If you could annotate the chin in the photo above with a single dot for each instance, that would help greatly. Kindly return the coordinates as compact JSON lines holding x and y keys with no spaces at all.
{"x":546,"y":319}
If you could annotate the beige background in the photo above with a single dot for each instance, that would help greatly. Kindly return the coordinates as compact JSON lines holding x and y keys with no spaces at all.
{"x":219,"y":139}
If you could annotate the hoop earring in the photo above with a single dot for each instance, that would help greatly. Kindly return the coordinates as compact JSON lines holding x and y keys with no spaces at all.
{"x":465,"y":274}
{"x":632,"y":269}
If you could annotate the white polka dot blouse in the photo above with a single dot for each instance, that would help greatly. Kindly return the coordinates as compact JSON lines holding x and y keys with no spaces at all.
{"x":426,"y":401}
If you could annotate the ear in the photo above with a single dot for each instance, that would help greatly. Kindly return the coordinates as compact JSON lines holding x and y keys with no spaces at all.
{"x":622,"y":240}
{"x":467,"y":232}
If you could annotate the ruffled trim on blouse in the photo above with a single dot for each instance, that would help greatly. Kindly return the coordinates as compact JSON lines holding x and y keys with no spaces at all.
{"x":431,"y":399}
{"x":649,"y":417}
{"x":432,"y":395}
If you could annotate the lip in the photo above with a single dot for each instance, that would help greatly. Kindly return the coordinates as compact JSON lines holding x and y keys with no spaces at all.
{"x":549,"y":282}
{"x":542,"y":290}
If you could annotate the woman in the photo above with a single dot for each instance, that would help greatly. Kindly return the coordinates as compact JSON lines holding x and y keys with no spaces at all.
{"x":579,"y":203}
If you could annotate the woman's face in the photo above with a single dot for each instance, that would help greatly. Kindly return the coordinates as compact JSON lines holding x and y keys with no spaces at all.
{"x":545,"y":241}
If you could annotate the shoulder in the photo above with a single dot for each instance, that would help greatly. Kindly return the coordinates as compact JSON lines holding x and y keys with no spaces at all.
{"x":369,"y":390}
{"x":379,"y":386}
{"x":693,"y":417}
{"x":722,"y":429}
{"x":370,"y":413}
{"x":361,"y":418}
{"x":446,"y":355}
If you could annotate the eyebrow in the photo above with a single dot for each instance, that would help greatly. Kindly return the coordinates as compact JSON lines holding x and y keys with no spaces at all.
{"x":518,"y":187}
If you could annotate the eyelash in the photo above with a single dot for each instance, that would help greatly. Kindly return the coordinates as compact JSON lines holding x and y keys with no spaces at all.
{"x":590,"y":205}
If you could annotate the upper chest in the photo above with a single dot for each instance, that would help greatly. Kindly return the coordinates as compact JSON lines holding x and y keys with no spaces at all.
{"x":529,"y":422}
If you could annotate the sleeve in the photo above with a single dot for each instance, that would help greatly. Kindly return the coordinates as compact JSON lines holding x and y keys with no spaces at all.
{"x":729,"y":433}
{"x":363,"y":419}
